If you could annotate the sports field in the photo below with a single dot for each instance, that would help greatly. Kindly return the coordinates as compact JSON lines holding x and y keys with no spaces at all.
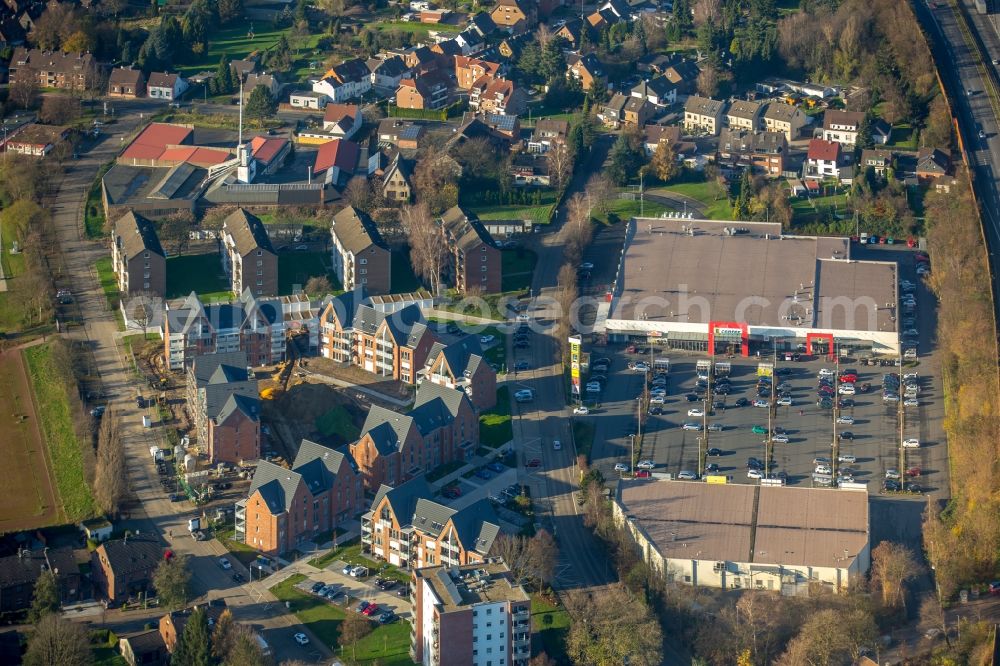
{"x":28,"y":491}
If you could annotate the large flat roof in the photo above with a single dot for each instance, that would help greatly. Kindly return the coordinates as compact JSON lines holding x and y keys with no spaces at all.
{"x":777,"y":525}
{"x":471,"y":584}
{"x":696,"y":271}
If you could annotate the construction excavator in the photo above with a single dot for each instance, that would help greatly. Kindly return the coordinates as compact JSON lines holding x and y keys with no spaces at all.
{"x":283,"y":374}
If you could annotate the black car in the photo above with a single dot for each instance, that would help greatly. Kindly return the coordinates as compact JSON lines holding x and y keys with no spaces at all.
{"x":140,"y":401}
{"x":722,"y":390}
{"x":891,"y":485}
{"x":783,"y":371}
{"x":847,"y":434}
{"x":742,"y":402}
{"x":715,"y":451}
{"x":846,"y":402}
{"x":655,"y":410}
{"x":692,"y":397}
{"x":237,"y":578}
{"x":719,"y":404}
{"x":711,"y":468}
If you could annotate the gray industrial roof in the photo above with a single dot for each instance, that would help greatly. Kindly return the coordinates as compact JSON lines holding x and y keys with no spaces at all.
{"x":742,"y":523}
{"x":759,"y":277}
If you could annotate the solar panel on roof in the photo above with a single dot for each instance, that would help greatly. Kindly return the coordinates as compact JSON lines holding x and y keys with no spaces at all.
{"x":411,"y":132}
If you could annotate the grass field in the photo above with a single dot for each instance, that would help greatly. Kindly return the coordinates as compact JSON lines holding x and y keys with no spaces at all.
{"x":710,"y":194}
{"x":388,"y":644}
{"x":234,"y":42}
{"x":201,"y":273}
{"x":57,"y":425}
{"x":295,"y":269}
{"x":495,"y":426}
{"x":30,"y":499}
{"x":903,"y":137}
{"x":420,"y":31}
{"x":338,"y":421}
{"x":551,"y":626}
{"x":106,"y":278}
{"x":620,"y":210}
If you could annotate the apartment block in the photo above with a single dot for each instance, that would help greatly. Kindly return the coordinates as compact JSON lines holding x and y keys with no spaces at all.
{"x":225,"y":407}
{"x":247,"y":255}
{"x":286,"y":507}
{"x":469,"y":616}
{"x":462,"y":365}
{"x":137,"y":257}
{"x":475,"y":263}
{"x":360,"y":257}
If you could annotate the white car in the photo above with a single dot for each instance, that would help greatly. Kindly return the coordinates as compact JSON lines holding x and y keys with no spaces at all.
{"x":658,"y":391}
{"x":911,"y":443}
{"x":892,"y":473}
{"x":847,"y":458}
{"x":910,"y":353}
{"x":846,"y":389}
{"x":845,"y":420}
{"x":761,"y":403}
{"x":912,"y":331}
{"x":645,"y":464}
{"x":225,"y":564}
{"x":301,"y":638}
{"x":658,"y":400}
{"x":823,"y":469}
{"x":911,"y":402}
{"x":524,"y":395}
{"x":785,"y":402}
{"x":780,"y":439}
{"x":687,"y":475}
{"x":755,"y":474}
{"x":692,"y":426}
{"x":581,"y":410}
{"x":825,"y":372}
{"x":586,"y":266}
{"x":487,"y":339}
{"x":556,"y":445}
{"x":911,"y":377}
{"x":621,"y":467}
{"x":696,"y":411}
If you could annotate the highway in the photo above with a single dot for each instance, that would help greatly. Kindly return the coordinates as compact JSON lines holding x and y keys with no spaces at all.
{"x":959,"y":65}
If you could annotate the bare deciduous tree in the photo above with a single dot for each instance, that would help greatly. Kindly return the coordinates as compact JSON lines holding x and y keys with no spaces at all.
{"x":560,"y":165}
{"x":110,"y":478}
{"x":893,"y":565}
{"x":58,"y":641}
{"x":353,"y":628}
{"x":23,"y":89}
{"x":318,"y":285}
{"x":428,"y":253}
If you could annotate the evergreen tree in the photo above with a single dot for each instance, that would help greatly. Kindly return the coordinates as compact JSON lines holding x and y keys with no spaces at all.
{"x":46,"y":598}
{"x":193,"y":647}
{"x":222,"y":81}
{"x":261,"y":103}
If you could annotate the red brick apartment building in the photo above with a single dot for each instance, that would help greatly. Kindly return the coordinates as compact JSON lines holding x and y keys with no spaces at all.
{"x":285,"y":507}
{"x":405,"y":527}
{"x":137,"y":257}
{"x":122,"y":568}
{"x":225,"y":407}
{"x":461,"y":365}
{"x":475,"y":263}
{"x":393,"y":448}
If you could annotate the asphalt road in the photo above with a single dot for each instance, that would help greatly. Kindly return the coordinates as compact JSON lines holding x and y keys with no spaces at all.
{"x":154,"y":513}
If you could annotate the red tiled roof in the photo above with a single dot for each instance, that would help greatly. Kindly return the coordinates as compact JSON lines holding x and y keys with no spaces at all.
{"x":197,"y":155}
{"x":265,"y":149}
{"x":337,"y":153}
{"x":154,"y":139}
{"x":828,"y":151}
{"x":337,"y":112}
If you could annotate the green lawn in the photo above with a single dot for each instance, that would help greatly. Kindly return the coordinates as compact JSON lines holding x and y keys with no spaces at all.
{"x":537,"y":213}
{"x":57,"y":424}
{"x":201,"y":273}
{"x":338,"y":422}
{"x":807,"y":209}
{"x":106,"y":276}
{"x":518,"y":267}
{"x":619,"y":210}
{"x":234,"y":42}
{"x":295,"y":269}
{"x":550,"y":625}
{"x":93,"y":218}
{"x":349,"y":552}
{"x":241,"y":551}
{"x":13,"y":264}
{"x":497,"y":354}
{"x":903,"y":137}
{"x":420,"y":31}
{"x":404,"y":281}
{"x":495,"y":426}
{"x":716,"y":201}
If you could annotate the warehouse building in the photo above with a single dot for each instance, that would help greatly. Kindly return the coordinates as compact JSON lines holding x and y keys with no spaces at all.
{"x":744,"y":287}
{"x":788,"y":539}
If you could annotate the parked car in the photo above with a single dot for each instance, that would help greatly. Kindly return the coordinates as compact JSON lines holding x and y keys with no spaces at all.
{"x":524,"y":395}
{"x":225,"y":564}
{"x":534,"y":462}
{"x":759,"y":430}
{"x":582,"y":410}
{"x":362,"y":606}
{"x":621,"y":467}
{"x":316,"y":587}
{"x":646,"y":464}
{"x":371,"y":610}
{"x":301,"y":638}
{"x":687,"y":475}
{"x":692,"y":426}
{"x":714,"y":451}
{"x":847,"y":458}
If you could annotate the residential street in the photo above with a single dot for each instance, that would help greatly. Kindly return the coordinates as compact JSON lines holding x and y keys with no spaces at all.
{"x":157,"y":514}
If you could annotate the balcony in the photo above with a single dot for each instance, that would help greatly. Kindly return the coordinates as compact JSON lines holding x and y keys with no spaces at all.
{"x":366,"y":538}
{"x":521,"y":615}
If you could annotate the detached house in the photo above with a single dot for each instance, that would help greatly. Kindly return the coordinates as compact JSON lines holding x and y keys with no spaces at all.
{"x":345,"y":81}
{"x":842,"y":127}
{"x":247,"y":254}
{"x":547,"y":132}
{"x":225,"y":407}
{"x":703,"y":115}
{"x":627,"y":111}
{"x":342,"y":121}
{"x":20,"y":572}
{"x":387,"y":73}
{"x":122,"y":568}
{"x":588,"y":70}
{"x":784,"y":118}
{"x":498,"y":96}
{"x":744,"y":115}
{"x":462,"y":365}
{"x":425,"y":92}
{"x":406,"y":528}
{"x":762,"y":152}
{"x":166,"y":86}
{"x":286,"y":507}
{"x":822,"y":160}
{"x":137,"y":257}
{"x":470,"y":70}
{"x":442,"y":427}
{"x":474,"y":261}
{"x":126,"y":82}
{"x":396,"y":181}
{"x":360,"y":257}
{"x":932,"y":164}
{"x":878,"y":160}
{"x":515,"y":16}
{"x":659,"y":92}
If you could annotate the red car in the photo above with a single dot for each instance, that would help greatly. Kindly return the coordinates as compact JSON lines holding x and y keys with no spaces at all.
{"x":643,"y":474}
{"x":534,"y":462}
{"x":913,"y":471}
{"x":921,"y":258}
{"x":371,"y":610}
{"x":849,"y":378}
